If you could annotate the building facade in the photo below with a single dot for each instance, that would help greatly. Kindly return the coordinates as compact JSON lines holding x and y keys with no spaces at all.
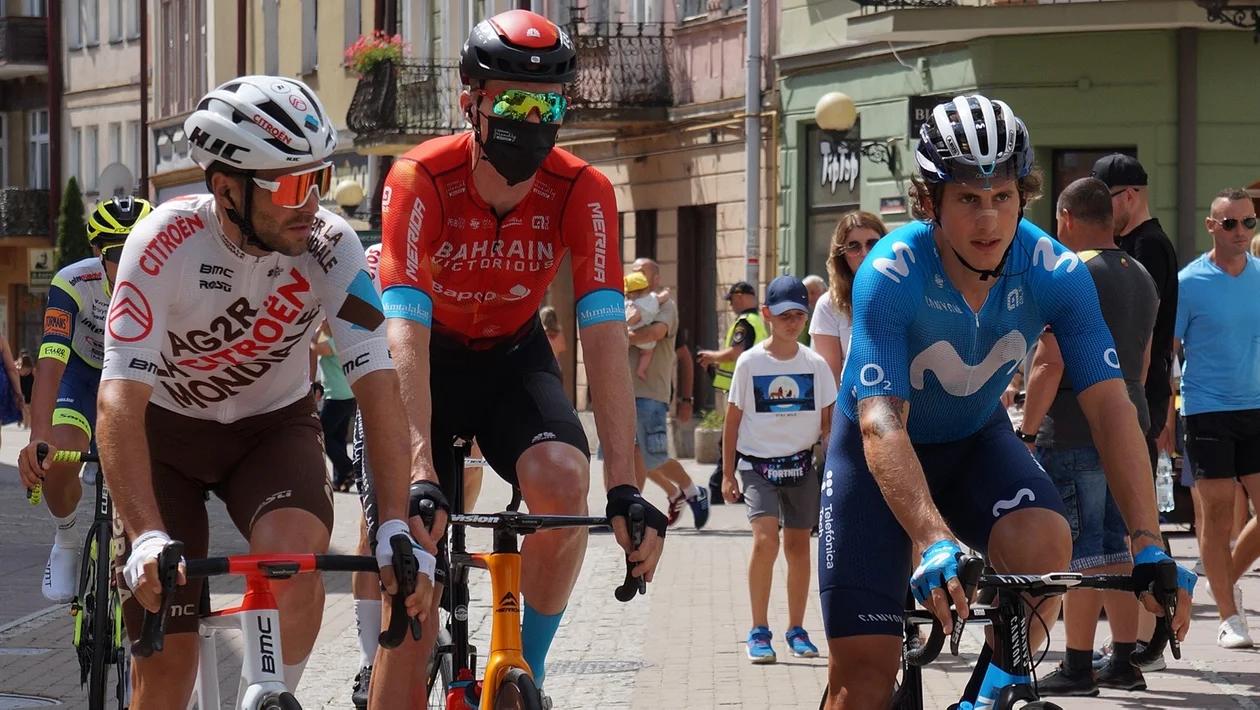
{"x":1154,"y":78}
{"x":26,"y":171}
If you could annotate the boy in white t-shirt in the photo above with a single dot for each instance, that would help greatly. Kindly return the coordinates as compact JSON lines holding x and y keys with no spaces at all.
{"x":642,"y":307}
{"x":779,"y":406}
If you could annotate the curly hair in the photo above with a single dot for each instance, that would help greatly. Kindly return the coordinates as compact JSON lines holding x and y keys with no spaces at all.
{"x":841,"y":276}
{"x":924,"y":195}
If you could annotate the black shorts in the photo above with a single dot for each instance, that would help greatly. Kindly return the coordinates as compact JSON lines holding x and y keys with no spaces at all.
{"x":509,"y":398}
{"x":1223,"y":444}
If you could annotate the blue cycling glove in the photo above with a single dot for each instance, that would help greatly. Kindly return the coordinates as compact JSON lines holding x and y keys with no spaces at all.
{"x":1152,"y":555}
{"x":939,"y":565}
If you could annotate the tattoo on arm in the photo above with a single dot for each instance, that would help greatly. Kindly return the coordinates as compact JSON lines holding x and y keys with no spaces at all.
{"x":881,"y":416}
{"x":1158,"y":539}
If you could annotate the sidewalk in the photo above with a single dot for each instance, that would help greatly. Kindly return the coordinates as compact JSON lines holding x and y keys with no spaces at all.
{"x":681,"y":646}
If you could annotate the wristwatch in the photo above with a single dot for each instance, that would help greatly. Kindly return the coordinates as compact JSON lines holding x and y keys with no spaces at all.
{"x":1026,"y":438}
{"x":688,"y":400}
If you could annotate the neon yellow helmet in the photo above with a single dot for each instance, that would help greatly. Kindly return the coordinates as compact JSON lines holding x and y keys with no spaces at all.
{"x":113,"y":219}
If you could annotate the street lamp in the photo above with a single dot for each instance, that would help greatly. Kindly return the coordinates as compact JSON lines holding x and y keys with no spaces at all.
{"x":1245,"y":17}
{"x":836,"y":114}
{"x":349,"y":195}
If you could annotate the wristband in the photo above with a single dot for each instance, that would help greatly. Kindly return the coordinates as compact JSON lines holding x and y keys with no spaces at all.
{"x":1026,"y":438}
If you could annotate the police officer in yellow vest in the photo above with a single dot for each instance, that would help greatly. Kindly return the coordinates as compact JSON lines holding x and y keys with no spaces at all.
{"x":747,"y":330}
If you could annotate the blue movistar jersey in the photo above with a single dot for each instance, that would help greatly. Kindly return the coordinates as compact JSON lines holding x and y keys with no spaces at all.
{"x":915,"y":337}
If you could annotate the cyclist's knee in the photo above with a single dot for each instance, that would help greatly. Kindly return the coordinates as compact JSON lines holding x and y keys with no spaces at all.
{"x":864,"y":669}
{"x":1031,"y":541}
{"x":288,"y":530}
{"x":166,"y":679}
{"x":554,"y":478}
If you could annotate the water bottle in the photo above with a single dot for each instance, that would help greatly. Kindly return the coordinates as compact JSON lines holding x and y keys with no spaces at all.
{"x":1164,"y":483}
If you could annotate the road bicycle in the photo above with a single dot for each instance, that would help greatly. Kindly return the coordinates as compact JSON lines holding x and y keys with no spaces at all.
{"x":507,"y":682}
{"x":97,"y":606}
{"x":258,"y":619}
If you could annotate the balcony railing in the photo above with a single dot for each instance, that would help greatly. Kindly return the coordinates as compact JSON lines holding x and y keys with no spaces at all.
{"x":23,"y":40}
{"x":623,"y":68}
{"x":399,"y":103}
{"x":24,"y":213}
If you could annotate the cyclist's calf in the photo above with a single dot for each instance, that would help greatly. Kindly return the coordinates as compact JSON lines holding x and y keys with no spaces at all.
{"x":166,"y":679}
{"x":300,"y":599}
{"x":861,"y":672}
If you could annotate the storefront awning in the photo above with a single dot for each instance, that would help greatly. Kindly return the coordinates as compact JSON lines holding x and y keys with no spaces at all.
{"x":972,"y":19}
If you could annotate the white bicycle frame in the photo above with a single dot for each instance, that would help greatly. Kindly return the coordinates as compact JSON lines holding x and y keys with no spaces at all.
{"x":262,"y":667}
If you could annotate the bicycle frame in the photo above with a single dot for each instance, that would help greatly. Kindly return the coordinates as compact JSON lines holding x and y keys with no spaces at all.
{"x":262,"y":669}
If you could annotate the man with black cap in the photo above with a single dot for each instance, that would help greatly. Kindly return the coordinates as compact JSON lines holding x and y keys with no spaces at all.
{"x":747,"y":330}
{"x":1141,"y":236}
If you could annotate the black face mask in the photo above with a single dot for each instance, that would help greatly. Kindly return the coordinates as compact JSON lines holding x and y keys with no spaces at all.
{"x":516,"y":149}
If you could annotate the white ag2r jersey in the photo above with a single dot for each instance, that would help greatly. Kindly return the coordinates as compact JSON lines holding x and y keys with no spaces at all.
{"x":223,"y":335}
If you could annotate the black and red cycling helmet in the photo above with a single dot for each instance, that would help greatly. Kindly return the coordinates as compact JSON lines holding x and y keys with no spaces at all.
{"x":518,"y":45}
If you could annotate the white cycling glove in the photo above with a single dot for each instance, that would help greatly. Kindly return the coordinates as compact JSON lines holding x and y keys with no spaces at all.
{"x":144,"y":548}
{"x":385,"y":553}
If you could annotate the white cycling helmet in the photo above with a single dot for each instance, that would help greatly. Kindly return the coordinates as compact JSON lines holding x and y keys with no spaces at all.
{"x":260,"y":123}
{"x":973,"y":138}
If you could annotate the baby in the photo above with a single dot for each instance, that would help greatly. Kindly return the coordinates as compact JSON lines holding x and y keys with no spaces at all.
{"x":642,"y":306}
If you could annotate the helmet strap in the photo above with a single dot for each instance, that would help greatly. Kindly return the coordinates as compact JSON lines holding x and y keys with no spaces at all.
{"x":986,"y":274}
{"x":246,"y":224}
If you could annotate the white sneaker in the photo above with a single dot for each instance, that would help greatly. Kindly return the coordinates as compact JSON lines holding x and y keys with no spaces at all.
{"x":60,"y":573}
{"x":1238,"y":601}
{"x":1233,"y":634}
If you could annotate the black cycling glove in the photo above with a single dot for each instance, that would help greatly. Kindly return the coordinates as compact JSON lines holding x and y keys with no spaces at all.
{"x":622,"y":497}
{"x":427,"y":490}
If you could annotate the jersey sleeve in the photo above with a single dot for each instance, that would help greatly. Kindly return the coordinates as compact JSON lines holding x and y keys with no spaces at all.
{"x":411,"y":220}
{"x":373,"y":255}
{"x":63,"y":308}
{"x":144,"y":291}
{"x":353,"y":307}
{"x":741,"y":382}
{"x":589,"y":227}
{"x":744,"y":336}
{"x":887,"y":291}
{"x":1069,"y":302}
{"x":825,"y":383}
{"x":1182,"y":322}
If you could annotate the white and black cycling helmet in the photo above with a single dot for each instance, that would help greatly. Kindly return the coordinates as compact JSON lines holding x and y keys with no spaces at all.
{"x":973,"y":139}
{"x":260,"y":123}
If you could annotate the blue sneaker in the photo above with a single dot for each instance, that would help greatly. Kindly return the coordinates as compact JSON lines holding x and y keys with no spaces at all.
{"x":759,"y":648}
{"x":798,"y":642}
{"x":700,"y":508}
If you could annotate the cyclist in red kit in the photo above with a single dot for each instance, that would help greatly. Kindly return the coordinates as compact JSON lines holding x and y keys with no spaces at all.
{"x":474,"y":229}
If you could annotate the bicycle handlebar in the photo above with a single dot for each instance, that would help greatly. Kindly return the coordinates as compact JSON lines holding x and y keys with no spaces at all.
{"x":970,"y":568}
{"x":279,"y":566}
{"x":36,"y":494}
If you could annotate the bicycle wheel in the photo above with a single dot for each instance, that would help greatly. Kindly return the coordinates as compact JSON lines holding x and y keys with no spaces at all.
{"x":517,"y":692}
{"x":279,"y":701}
{"x":441,"y":670}
{"x":98,"y":620}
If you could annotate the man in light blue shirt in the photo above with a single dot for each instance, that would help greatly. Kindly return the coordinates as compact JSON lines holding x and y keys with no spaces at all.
{"x":1218,"y":322}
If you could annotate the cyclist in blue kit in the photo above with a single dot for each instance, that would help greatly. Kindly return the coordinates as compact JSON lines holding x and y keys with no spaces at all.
{"x":944,"y":310}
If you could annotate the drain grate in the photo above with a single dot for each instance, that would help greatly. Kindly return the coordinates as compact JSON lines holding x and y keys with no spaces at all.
{"x":593,"y":667}
{"x":12,"y":701}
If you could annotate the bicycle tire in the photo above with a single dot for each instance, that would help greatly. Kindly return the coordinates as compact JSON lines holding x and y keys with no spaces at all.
{"x":441,"y":670}
{"x":1041,"y":705}
{"x":517,"y":692}
{"x":279,"y":701}
{"x":102,"y":633}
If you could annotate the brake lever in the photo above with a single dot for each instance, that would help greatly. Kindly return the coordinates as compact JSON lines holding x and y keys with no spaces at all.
{"x":153,"y":627}
{"x":969,"y":576}
{"x":405,"y":571}
{"x":1166,"y":583}
{"x":636,"y":526}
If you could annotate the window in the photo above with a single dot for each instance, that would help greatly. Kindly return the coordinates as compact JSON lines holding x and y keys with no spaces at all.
{"x":692,"y":9}
{"x":271,"y":37}
{"x":644,"y":234}
{"x":74,"y":24}
{"x":133,"y":132}
{"x":36,"y":8}
{"x":115,"y":20}
{"x":353,"y":14}
{"x":91,"y":157}
{"x":310,"y":36}
{"x":115,"y":143}
{"x":835,"y":187}
{"x":4,"y":151}
{"x":37,"y":156}
{"x":133,"y":19}
{"x":92,"y":22}
{"x":76,"y":154}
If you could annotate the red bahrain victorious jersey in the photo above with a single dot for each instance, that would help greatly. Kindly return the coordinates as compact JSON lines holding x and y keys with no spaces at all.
{"x":447,"y":261}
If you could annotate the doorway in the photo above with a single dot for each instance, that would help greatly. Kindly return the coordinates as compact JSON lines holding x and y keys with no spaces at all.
{"x":697,"y":290}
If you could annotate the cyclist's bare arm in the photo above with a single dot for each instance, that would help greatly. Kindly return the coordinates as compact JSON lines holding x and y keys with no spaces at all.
{"x":48,"y":371}
{"x":409,"y":346}
{"x":897,"y":470}
{"x":604,"y":348}
{"x":386,"y":436}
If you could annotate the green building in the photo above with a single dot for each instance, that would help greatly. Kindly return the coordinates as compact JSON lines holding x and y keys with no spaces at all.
{"x":1154,"y":78}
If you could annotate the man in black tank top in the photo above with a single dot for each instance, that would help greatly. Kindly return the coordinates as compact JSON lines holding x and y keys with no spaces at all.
{"x":1064,"y":446}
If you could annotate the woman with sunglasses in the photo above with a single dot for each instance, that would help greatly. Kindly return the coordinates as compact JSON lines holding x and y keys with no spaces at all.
{"x":63,"y":399}
{"x":856,"y":235}
{"x":206,"y":377}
